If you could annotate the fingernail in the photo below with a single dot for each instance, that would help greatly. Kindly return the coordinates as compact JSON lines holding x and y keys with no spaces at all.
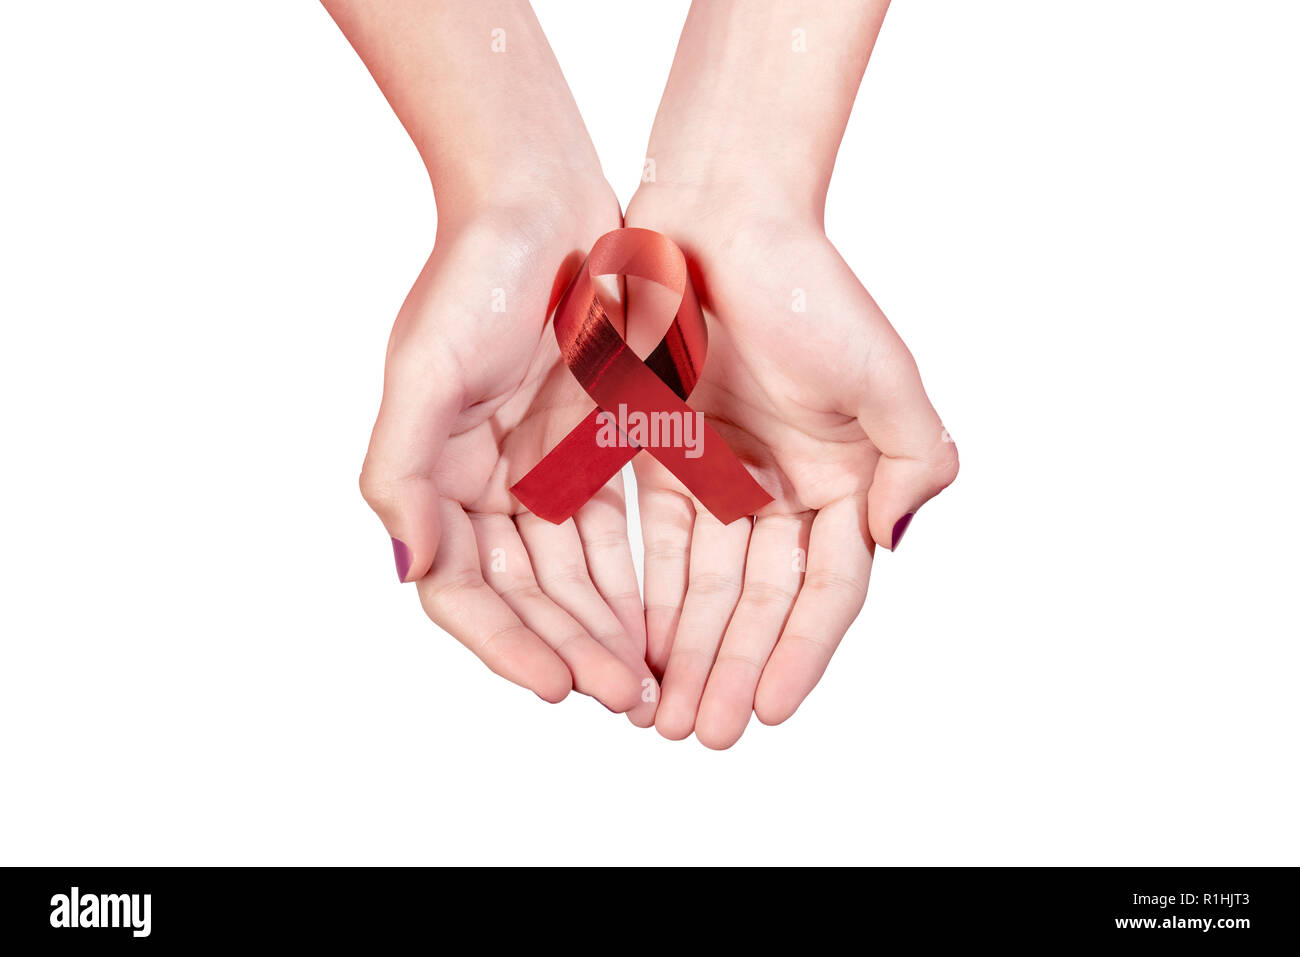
{"x":402,"y":555}
{"x":900,"y":527}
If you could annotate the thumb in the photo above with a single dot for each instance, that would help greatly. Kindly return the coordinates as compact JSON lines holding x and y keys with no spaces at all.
{"x":420,"y":405}
{"x":918,"y":458}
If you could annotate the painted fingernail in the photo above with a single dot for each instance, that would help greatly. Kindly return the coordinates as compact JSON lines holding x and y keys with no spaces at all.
{"x":900,"y":527}
{"x":402,"y":555}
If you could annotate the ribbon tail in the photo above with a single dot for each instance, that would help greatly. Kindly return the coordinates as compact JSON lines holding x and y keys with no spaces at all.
{"x":716,"y":477}
{"x":571,"y":473}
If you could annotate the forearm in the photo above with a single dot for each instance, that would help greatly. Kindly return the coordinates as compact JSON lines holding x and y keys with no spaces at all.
{"x":759,"y":95}
{"x":479,"y":91}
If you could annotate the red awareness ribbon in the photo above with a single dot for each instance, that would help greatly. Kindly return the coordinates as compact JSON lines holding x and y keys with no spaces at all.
{"x":621,"y":382}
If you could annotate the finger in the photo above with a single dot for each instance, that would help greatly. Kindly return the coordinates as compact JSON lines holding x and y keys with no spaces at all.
{"x":667,"y":519}
{"x":834,"y":588}
{"x":560,"y":567}
{"x":602,"y":526}
{"x":422,"y":398}
{"x":918,"y":457}
{"x":460,"y":602}
{"x":774,"y":570}
{"x":717,"y":567}
{"x":506,"y":567}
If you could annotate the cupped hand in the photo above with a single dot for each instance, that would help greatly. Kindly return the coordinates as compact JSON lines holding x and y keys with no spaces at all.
{"x":475,"y":393}
{"x":817,"y":394}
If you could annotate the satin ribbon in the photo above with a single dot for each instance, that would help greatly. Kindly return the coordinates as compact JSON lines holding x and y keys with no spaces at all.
{"x":620,"y":381}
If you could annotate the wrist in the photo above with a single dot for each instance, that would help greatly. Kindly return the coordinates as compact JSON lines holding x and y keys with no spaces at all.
{"x":712,"y":211}
{"x":758,"y":98}
{"x":728,"y":167}
{"x":543,"y":191}
{"x":542,"y":209}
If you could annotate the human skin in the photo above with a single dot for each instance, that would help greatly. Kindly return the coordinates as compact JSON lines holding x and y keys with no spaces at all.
{"x":814,"y":390}
{"x":475,"y":391}
{"x":805,"y":378}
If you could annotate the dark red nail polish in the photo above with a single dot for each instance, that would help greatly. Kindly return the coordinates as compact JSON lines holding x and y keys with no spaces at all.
{"x":402,"y":555}
{"x":900,"y":527}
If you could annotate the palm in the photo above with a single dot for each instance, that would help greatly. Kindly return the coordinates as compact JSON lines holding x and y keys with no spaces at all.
{"x":509,"y":430}
{"x":481,"y":306}
{"x":779,"y":378}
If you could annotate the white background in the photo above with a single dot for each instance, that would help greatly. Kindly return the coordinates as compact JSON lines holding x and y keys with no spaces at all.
{"x":1081,"y":216}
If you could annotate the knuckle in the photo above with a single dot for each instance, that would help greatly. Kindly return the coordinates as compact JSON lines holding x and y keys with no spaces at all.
{"x":830,"y":583}
{"x":524,"y":590}
{"x":493,"y":638}
{"x":377,"y":488}
{"x":604,"y":542}
{"x":766,"y":595}
{"x":565,"y":577}
{"x":440,"y":588}
{"x":746,"y":661}
{"x":564,"y":642}
{"x":946,"y":465}
{"x":818,"y":647}
{"x":662,"y":550}
{"x":715,"y":584}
